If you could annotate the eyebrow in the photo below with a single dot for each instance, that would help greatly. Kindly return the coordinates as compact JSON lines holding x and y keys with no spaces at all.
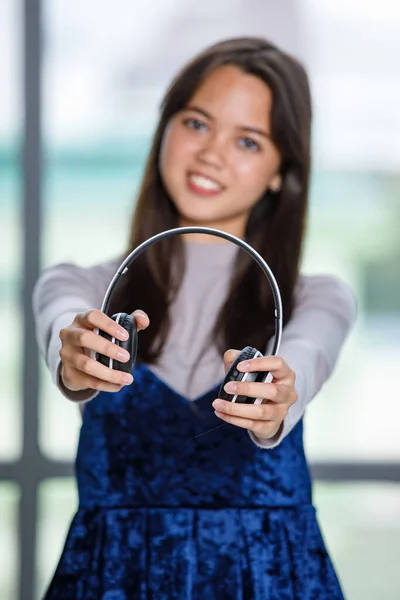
{"x":246,"y":128}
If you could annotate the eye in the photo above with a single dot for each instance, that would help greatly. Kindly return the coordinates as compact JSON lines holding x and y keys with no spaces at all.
{"x":192,"y":123}
{"x":249,"y":144}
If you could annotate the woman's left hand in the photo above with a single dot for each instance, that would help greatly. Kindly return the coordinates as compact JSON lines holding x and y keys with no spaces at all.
{"x":263,"y":419}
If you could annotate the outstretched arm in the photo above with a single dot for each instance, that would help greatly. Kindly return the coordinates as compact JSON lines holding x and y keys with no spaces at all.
{"x":325,"y":311}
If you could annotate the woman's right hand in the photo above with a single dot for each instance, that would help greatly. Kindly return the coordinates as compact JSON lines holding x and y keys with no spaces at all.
{"x":79,"y":371}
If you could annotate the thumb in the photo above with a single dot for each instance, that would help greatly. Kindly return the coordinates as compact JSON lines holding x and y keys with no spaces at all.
{"x":229,"y":357}
{"x":141,"y":318}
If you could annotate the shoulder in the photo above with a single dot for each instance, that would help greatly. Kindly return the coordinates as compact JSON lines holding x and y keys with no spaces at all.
{"x":95,"y":277}
{"x":97,"y":271}
{"x":326,"y":292}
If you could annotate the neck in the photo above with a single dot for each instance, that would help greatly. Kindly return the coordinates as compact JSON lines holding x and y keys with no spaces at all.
{"x":234,"y":227}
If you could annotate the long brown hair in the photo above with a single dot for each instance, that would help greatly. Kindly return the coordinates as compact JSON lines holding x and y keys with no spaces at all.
{"x":276,"y":224}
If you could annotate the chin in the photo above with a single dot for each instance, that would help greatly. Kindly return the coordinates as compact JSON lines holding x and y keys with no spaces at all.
{"x":197,"y":221}
{"x":200,"y":214}
{"x":200,"y":218}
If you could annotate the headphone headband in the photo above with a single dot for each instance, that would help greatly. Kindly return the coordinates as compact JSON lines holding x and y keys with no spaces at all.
{"x":123,"y":268}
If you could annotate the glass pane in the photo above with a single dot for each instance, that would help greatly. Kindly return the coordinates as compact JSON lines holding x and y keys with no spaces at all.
{"x":92,"y":163}
{"x":100,"y":107}
{"x":57,"y":505}
{"x":361,"y":527}
{"x":352,"y":49}
{"x":342,"y":422}
{"x":9,"y":499}
{"x":60,"y":420}
{"x":355,"y":219}
{"x":360,"y":523}
{"x":10,"y":238}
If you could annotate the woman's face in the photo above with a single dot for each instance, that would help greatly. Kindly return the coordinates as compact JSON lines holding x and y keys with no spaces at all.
{"x":217,"y":158}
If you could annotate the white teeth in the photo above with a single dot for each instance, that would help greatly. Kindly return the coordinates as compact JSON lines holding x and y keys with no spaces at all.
{"x":204,"y":182}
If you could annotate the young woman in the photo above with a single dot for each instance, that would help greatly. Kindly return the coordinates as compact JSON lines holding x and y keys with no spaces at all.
{"x":163,"y":512}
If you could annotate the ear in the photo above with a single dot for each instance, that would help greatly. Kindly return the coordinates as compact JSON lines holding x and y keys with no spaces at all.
{"x":275,"y":184}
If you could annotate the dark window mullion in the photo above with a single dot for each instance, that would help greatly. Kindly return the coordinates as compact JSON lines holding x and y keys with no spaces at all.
{"x":339,"y":472}
{"x":31,"y":177}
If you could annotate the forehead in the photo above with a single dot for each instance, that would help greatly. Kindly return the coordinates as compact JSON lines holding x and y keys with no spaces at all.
{"x":229,"y":93}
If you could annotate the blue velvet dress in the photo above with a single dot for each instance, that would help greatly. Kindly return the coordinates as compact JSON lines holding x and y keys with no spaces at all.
{"x":166,"y":515}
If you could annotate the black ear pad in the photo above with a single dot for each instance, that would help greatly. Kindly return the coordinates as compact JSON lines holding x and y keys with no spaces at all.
{"x":131,"y":344}
{"x":234,"y":375}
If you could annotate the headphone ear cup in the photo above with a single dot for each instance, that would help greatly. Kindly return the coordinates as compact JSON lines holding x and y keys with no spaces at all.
{"x":234,"y":375}
{"x":131,"y":344}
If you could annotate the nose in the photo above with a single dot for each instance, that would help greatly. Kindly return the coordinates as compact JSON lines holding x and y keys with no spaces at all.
{"x":213,"y":151}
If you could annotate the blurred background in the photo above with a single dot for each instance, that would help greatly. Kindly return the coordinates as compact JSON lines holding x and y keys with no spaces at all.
{"x":80,"y":84}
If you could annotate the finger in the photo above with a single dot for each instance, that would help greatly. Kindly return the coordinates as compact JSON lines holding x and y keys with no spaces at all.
{"x":266,"y":428}
{"x":254,"y":412}
{"x":94,"y":318}
{"x":141,"y":318}
{"x":229,"y":357}
{"x":276,"y":392}
{"x":71,"y":374}
{"x":86,"y":338}
{"x":274,"y":364}
{"x":89,"y":366}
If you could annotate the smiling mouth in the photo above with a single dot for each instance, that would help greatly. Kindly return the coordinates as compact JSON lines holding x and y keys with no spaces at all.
{"x":203,"y":185}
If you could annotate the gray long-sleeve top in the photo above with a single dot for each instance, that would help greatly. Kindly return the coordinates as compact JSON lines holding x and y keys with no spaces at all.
{"x":325,"y":311}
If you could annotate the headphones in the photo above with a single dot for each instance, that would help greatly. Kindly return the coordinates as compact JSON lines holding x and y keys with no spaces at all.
{"x":128,"y":322}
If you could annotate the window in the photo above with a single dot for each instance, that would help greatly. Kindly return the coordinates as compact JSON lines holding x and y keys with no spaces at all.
{"x":10,"y":284}
{"x":100,"y":96}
